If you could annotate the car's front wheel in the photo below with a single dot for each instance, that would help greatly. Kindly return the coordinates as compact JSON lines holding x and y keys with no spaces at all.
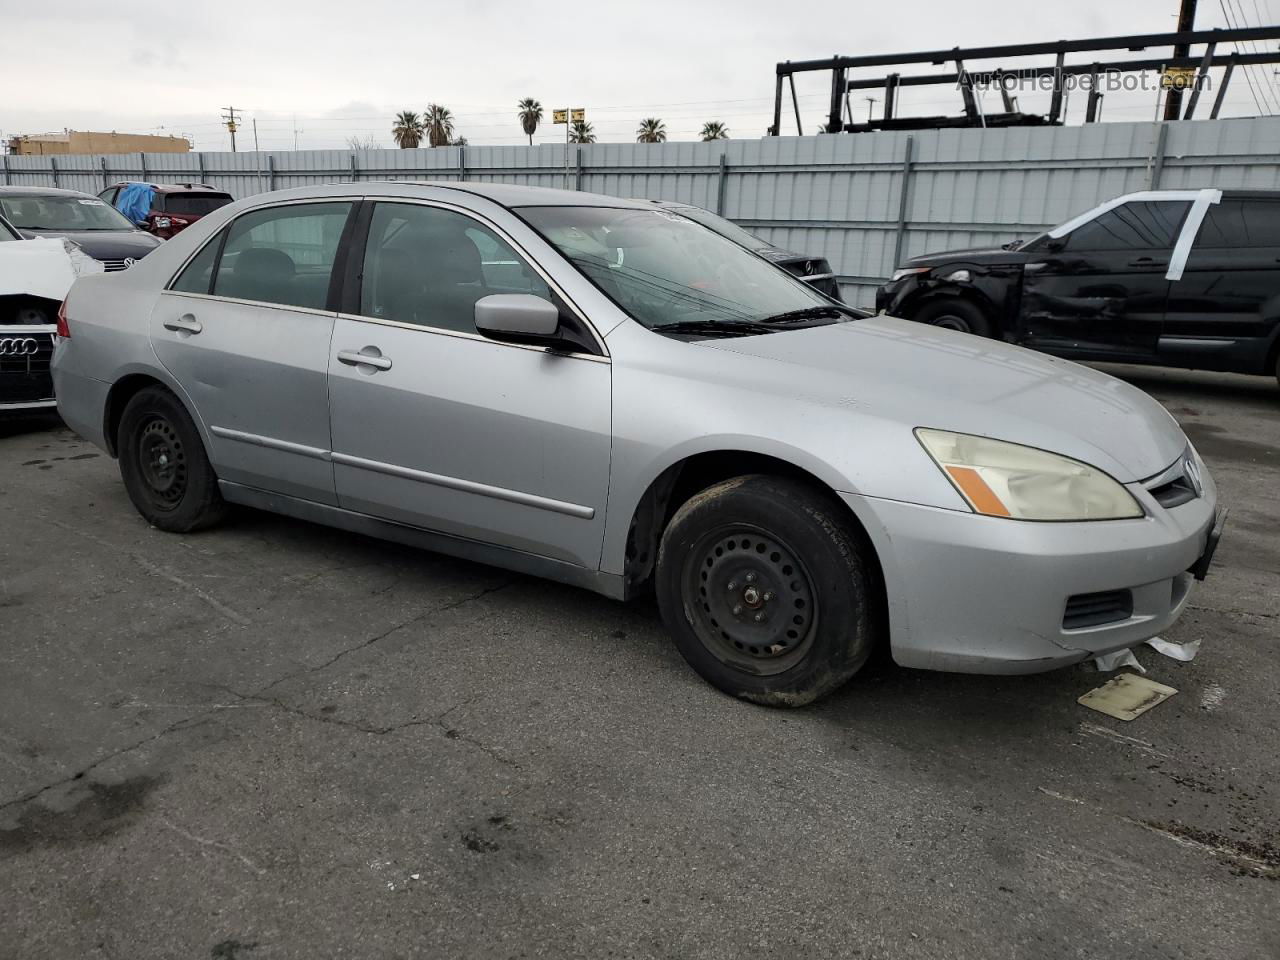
{"x":164,"y":466}
{"x":768,"y":590}
{"x":955,"y":314}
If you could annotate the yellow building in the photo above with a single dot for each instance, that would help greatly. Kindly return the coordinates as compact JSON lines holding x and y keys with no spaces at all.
{"x":83,"y":141}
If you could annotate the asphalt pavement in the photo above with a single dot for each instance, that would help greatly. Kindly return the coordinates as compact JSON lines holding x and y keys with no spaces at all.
{"x":277,"y":740}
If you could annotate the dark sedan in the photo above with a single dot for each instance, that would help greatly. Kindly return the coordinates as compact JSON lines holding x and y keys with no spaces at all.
{"x":1178,"y":278}
{"x":814,"y":271}
{"x":98,"y":229}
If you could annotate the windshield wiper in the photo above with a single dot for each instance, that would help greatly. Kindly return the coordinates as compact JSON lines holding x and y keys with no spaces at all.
{"x":811,"y":313}
{"x":715,"y":328}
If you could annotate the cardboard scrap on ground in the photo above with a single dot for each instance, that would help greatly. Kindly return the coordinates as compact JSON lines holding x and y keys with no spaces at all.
{"x":1127,"y":696}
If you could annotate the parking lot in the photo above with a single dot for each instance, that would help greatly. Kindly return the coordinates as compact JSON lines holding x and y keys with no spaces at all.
{"x":279,"y":740}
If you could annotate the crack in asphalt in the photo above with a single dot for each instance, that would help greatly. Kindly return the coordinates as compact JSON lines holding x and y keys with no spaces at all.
{"x":258,"y":696}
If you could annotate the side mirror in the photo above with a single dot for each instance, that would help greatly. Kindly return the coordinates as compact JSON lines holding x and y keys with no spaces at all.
{"x":518,"y":318}
{"x":1055,"y":244}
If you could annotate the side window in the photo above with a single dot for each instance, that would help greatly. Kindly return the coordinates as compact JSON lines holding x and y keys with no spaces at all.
{"x":282,"y":255}
{"x":429,"y":266}
{"x":1241,"y":223}
{"x":109,"y":195}
{"x":199,"y":272}
{"x":1144,"y":225}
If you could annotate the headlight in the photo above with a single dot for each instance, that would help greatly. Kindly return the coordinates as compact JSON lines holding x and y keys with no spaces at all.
{"x":1001,"y":479}
{"x":908,"y":272}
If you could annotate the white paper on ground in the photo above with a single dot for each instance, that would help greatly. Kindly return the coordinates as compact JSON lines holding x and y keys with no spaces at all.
{"x":1184,"y":652}
{"x":1126,"y":696}
{"x":45,"y":267}
{"x":1114,"y":661}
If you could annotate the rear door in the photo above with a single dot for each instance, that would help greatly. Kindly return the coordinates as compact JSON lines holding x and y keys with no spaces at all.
{"x":444,"y":429}
{"x":1224,"y":311}
{"x":1101,"y":290}
{"x":245,"y":329}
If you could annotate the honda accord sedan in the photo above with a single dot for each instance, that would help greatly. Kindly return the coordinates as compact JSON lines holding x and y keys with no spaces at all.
{"x":608,"y":394}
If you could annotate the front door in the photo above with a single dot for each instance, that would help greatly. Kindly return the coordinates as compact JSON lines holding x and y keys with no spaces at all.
{"x":246,"y":333}
{"x":1101,"y":290}
{"x":436,"y":426}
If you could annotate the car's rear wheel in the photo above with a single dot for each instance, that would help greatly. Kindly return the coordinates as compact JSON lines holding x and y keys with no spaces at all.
{"x":164,"y":466}
{"x":768,"y":590}
{"x":955,"y":314}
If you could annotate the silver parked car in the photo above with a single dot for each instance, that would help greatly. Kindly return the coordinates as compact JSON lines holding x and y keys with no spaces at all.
{"x":608,"y":394}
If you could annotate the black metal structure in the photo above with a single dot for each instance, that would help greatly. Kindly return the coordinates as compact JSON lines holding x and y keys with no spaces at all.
{"x":966,"y":80}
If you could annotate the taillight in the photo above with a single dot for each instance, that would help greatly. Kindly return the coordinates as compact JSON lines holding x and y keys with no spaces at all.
{"x":64,"y":331}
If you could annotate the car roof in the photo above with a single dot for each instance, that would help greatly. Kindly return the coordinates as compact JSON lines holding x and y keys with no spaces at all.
{"x":42,"y":192}
{"x":174,"y":187}
{"x":503,"y":194}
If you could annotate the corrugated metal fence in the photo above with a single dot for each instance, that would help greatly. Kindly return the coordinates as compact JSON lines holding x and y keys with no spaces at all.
{"x":863,"y":201}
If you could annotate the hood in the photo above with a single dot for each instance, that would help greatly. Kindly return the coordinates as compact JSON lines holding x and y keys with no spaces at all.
{"x":105,"y":244}
{"x":978,"y":255}
{"x":922,"y":376}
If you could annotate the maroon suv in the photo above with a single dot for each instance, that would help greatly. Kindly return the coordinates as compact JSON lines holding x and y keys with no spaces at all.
{"x":174,"y":206}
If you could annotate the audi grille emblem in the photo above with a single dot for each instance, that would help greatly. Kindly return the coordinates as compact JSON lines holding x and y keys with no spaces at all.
{"x":19,"y":347}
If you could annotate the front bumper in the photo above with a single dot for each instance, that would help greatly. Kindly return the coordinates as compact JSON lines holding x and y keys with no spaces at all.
{"x":976,"y":594}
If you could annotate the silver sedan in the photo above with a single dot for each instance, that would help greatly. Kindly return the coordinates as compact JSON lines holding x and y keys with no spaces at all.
{"x":608,"y":394}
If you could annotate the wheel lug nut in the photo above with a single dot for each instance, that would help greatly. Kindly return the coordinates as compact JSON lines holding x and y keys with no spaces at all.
{"x":759,"y":618}
{"x":733,"y":585}
{"x":737,"y":611}
{"x":768,"y":595}
{"x":751,"y":578}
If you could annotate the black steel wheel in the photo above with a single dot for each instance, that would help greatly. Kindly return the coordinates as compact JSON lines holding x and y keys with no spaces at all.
{"x":955,"y":314}
{"x":769,"y":589}
{"x":163,"y":464}
{"x":755,"y":607}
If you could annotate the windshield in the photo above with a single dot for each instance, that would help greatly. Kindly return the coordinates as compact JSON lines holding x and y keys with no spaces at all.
{"x":664,"y":269}
{"x":726,"y":228}
{"x":61,"y":212}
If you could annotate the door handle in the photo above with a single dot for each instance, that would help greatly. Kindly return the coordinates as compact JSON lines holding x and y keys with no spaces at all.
{"x":1147,"y":262}
{"x":184,"y":324}
{"x":361,"y":358}
{"x":1033,"y":267}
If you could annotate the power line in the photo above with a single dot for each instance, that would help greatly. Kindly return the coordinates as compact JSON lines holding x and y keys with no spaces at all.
{"x":1247,"y":75}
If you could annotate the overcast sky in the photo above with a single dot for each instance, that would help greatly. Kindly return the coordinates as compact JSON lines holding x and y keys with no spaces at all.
{"x":345,"y":68}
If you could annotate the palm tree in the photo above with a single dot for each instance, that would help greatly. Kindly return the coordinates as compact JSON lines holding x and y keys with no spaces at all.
{"x":651,"y":130}
{"x":407,"y":130}
{"x":714,"y":130}
{"x":438,"y":121}
{"x":530,"y":116}
{"x":582,"y":132}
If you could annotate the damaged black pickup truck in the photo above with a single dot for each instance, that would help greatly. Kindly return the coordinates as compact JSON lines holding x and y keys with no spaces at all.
{"x":1179,"y":278}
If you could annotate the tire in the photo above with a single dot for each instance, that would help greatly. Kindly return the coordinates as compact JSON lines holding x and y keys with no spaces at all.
{"x":955,"y":314}
{"x":773,"y":548}
{"x":164,"y":466}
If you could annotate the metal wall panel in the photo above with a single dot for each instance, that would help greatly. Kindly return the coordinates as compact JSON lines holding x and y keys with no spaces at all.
{"x":832,"y":196}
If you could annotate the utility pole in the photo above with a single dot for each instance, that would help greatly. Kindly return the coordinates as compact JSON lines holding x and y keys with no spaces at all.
{"x":1186,"y":23}
{"x":229,"y":118}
